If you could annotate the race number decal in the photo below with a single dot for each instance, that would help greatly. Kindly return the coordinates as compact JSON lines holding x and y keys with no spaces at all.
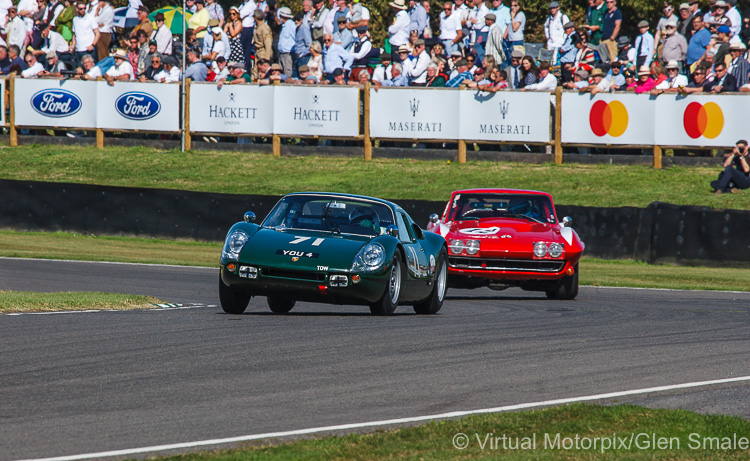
{"x":480,"y":231}
{"x":315,"y":242}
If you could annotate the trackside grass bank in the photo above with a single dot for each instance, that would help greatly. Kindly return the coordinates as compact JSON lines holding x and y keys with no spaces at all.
{"x":61,"y":245}
{"x":253,"y":173}
{"x":26,"y":301}
{"x":572,"y":432}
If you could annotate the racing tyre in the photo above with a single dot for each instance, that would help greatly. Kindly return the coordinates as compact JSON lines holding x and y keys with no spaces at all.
{"x":434,"y":302}
{"x":388,"y":303}
{"x":567,"y":287}
{"x":280,"y":305}
{"x":232,"y":302}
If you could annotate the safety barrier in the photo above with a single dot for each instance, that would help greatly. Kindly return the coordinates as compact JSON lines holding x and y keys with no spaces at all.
{"x":369,"y":113}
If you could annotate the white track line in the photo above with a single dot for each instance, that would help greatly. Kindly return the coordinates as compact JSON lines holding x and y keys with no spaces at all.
{"x":216,"y":268}
{"x":343,"y":427}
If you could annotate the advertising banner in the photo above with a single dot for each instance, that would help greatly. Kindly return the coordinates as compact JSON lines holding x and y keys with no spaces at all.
{"x":316,"y":111}
{"x":505,"y":116}
{"x":413,"y":113}
{"x":3,"y":87}
{"x":711,"y":121}
{"x":55,"y":103}
{"x":608,"y":118}
{"x":241,"y":109}
{"x":138,"y":106}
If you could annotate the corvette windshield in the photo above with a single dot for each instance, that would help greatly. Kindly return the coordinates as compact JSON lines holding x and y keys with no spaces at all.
{"x":479,"y":206}
{"x":336,"y":214}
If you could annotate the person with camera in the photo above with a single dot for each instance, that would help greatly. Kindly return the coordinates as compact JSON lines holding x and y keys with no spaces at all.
{"x":736,"y":174}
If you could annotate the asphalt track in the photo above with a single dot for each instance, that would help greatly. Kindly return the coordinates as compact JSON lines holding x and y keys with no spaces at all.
{"x":76,"y":383}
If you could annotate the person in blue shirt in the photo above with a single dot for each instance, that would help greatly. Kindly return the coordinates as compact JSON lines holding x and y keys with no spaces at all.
{"x":343,"y":36}
{"x":699,"y":42}
{"x":286,"y":40}
{"x":302,"y":41}
{"x":397,"y":77}
{"x":418,"y":17}
{"x":462,"y":66}
{"x":335,"y":57}
{"x":197,"y":70}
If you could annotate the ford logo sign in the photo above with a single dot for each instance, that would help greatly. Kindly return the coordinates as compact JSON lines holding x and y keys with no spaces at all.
{"x":137,"y":106}
{"x":56,"y":103}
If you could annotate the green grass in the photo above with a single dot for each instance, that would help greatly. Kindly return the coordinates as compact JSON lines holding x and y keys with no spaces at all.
{"x":26,"y":301}
{"x":434,"y":441}
{"x":252,"y":173}
{"x":621,"y":273}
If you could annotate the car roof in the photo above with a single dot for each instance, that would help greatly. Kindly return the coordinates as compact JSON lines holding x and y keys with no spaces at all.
{"x":500,"y":191}
{"x":338,"y":194}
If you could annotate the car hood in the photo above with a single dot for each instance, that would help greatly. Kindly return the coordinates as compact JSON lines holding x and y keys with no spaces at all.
{"x":299,"y":249}
{"x":504,"y":228}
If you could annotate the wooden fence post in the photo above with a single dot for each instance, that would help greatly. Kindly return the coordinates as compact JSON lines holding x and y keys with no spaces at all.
{"x":368,"y":141}
{"x":657,"y":157}
{"x":13,"y":130}
{"x":558,"y":126}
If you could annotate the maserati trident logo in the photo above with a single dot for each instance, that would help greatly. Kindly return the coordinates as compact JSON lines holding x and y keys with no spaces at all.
{"x":504,"y":107}
{"x":414,"y":107}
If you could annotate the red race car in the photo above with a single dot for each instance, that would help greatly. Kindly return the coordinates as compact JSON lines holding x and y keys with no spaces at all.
{"x":509,"y":238}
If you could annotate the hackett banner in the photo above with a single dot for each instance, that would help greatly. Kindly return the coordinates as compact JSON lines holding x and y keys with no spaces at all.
{"x":138,"y":106}
{"x":715,"y":120}
{"x":3,"y":86}
{"x":505,"y":116}
{"x":606,"y":118}
{"x":55,"y":103}
{"x":414,"y":113}
{"x":316,"y":111}
{"x":246,"y":109}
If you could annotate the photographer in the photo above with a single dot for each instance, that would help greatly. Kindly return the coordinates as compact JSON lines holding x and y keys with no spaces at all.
{"x":736,"y":174}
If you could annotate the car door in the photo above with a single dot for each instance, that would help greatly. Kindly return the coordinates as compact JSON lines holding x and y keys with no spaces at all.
{"x":417,"y":260}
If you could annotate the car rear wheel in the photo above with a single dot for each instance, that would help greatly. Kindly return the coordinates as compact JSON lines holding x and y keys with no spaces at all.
{"x":279,"y":304}
{"x":434,"y":302}
{"x":232,"y":302}
{"x":567,"y":287}
{"x":392,"y":294}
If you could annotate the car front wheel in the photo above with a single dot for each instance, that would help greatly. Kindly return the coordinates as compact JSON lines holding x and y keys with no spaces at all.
{"x":232,"y":302}
{"x":566,"y":288}
{"x":434,"y":302}
{"x":392,"y":294}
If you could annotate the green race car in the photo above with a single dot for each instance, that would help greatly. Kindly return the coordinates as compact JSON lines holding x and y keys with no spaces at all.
{"x":336,"y":249}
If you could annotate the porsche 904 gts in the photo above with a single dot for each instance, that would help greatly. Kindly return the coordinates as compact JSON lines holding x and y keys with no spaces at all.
{"x":504,"y":237}
{"x":336,"y":249}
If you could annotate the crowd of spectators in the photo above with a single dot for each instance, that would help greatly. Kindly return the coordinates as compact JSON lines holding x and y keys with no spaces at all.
{"x":478,"y":44}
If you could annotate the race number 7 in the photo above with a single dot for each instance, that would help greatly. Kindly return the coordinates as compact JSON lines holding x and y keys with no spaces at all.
{"x":315,"y":242}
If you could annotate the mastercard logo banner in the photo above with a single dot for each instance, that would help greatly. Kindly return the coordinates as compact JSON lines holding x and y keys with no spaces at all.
{"x":705,"y":120}
{"x":608,"y":118}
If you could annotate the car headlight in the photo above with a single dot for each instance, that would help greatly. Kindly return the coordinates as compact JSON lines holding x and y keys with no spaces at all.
{"x":472,"y":247}
{"x":556,"y":250}
{"x":233,"y":245}
{"x":370,"y":258}
{"x":540,"y":249}
{"x":456,"y":246}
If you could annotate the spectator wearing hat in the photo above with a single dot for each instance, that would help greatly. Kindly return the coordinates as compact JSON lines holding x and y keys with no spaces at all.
{"x":739,"y":66}
{"x":721,"y":48}
{"x":595,"y":21}
{"x":219,"y":70}
{"x":15,"y":29}
{"x":215,"y":11}
{"x":85,"y":32}
{"x":247,"y":16}
{"x":514,"y":70}
{"x":645,"y":83}
{"x":343,"y":36}
{"x":675,"y":46}
{"x":568,"y":48}
{"x":674,"y":81}
{"x":199,"y":21}
{"x":722,"y":82}
{"x":275,"y":72}
{"x":338,"y":78}
{"x":585,"y":57}
{"x":304,"y":76}
{"x":196,"y":69}
{"x":286,"y":40}
{"x":546,"y":82}
{"x":451,"y":32}
{"x":398,"y":32}
{"x":237,"y":75}
{"x":615,"y":77}
{"x":554,"y":28}
{"x":121,"y":70}
{"x":494,"y":45}
{"x":736,"y":174}
{"x":218,"y":46}
{"x":361,"y":53}
{"x":610,"y":31}
{"x":209,"y":42}
{"x":418,"y":19}
{"x":700,"y":42}
{"x":419,"y":61}
{"x":403,"y":56}
{"x":580,"y":80}
{"x":598,"y":83}
{"x":685,"y":22}
{"x":153,"y":68}
{"x":463,"y":74}
{"x":644,"y":46}
{"x":384,"y":70}
{"x":54,"y":66}
{"x":144,"y":23}
{"x":162,"y":35}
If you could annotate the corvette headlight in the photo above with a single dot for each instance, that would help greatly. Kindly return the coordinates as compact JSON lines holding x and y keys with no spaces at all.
{"x":556,"y":250}
{"x":540,"y":249}
{"x":233,"y":245}
{"x":370,"y":258}
{"x":472,"y":247}
{"x":456,"y":246}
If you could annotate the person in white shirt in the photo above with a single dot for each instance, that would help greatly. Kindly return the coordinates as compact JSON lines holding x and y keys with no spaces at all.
{"x":674,"y":80}
{"x":384,"y":71}
{"x":122,"y":70}
{"x":15,"y":30}
{"x":88,"y":70}
{"x":170,"y":73}
{"x":419,"y":61}
{"x":162,"y":35}
{"x":35,"y":67}
{"x":104,"y":15}
{"x":547,"y":81}
{"x":53,"y":41}
{"x":450,"y":28}
{"x":85,"y":32}
{"x":553,"y":28}
{"x":599,"y":83}
{"x":399,"y":30}
{"x":479,"y":28}
{"x":218,"y":48}
{"x":27,"y":9}
{"x":247,"y":14}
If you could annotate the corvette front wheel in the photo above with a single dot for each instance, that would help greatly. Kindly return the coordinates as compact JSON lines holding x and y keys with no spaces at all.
{"x":392,"y":294}
{"x":566,"y":288}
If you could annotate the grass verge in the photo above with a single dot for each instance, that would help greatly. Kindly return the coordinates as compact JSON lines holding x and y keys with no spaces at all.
{"x":26,"y":301}
{"x":252,"y":173}
{"x":599,"y":272}
{"x":578,"y":431}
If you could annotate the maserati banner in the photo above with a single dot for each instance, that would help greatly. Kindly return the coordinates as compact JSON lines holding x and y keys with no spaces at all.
{"x":55,"y":103}
{"x":246,"y":109}
{"x":138,"y":106}
{"x":316,"y":111}
{"x":505,"y":116}
{"x":414,"y":113}
{"x":608,"y":118}
{"x":711,"y":121}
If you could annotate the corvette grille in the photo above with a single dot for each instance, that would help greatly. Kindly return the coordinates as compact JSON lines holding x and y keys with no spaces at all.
{"x":511,"y":265}
{"x":296,"y":275}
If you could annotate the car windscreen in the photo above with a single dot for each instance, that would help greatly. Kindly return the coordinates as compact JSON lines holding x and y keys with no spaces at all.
{"x":330,"y":213}
{"x":479,"y":206}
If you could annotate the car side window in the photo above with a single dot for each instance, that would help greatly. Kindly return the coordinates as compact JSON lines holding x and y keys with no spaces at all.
{"x":404,"y":231}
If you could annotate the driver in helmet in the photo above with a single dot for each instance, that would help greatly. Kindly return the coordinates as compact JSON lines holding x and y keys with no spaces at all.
{"x":365,"y":217}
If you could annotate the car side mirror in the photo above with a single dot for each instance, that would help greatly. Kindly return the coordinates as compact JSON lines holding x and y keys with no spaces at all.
{"x":567,"y":221}
{"x":392,"y":231}
{"x":434,"y":218}
{"x":249,"y":217}
{"x":417,"y":231}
